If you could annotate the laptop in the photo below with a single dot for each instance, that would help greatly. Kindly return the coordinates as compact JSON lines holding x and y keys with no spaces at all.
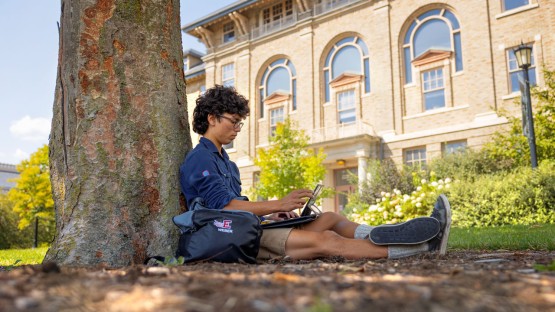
{"x":308,"y":213}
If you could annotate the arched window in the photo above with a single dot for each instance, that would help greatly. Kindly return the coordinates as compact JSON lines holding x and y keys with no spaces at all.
{"x":348,"y":55}
{"x":279,"y":76}
{"x":434,"y":30}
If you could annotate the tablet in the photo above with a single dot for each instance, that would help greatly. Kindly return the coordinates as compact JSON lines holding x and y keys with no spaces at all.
{"x":306,"y":208}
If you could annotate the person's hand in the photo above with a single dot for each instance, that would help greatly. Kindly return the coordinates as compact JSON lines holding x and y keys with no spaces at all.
{"x":295,"y":200}
{"x":285,"y":215}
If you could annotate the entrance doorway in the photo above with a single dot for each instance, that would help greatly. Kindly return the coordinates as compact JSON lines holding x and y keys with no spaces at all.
{"x":343,"y":186}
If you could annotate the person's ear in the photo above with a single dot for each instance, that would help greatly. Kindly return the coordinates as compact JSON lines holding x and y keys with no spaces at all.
{"x":211,"y":119}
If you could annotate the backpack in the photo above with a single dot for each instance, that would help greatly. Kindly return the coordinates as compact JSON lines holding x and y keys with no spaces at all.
{"x":217,"y":235}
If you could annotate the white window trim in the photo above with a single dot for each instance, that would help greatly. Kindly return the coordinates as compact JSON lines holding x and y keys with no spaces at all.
{"x":517,"y":10}
{"x":232,"y":76}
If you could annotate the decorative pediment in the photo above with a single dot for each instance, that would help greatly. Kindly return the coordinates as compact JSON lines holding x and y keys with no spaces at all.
{"x":277,"y":97}
{"x":431,"y":55}
{"x":345,"y":78}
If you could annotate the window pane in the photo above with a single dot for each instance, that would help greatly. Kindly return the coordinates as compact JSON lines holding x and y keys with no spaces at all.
{"x":294,"y":94}
{"x":458,"y":52}
{"x":327,"y":85}
{"x":513,"y":4}
{"x":451,"y":17}
{"x":409,"y":33}
{"x":428,"y":14}
{"x":228,"y":75}
{"x":346,"y":59}
{"x":408,"y":66}
{"x":345,"y":40}
{"x":346,"y":106}
{"x":261,"y":103}
{"x":455,"y":147}
{"x":366,"y":75}
{"x":514,"y":77}
{"x":415,"y":157}
{"x":432,"y":34}
{"x":328,"y":58}
{"x":279,"y":79}
{"x":278,"y":62}
{"x":276,"y":116}
{"x":292,"y":69}
{"x":362,"y":46}
{"x":434,"y":99}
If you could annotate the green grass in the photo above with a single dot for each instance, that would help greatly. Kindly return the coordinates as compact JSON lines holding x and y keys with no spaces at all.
{"x":510,"y":237}
{"x":9,"y":257}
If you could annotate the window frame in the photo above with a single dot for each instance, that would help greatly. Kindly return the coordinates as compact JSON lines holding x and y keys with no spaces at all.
{"x":437,"y":87}
{"x":504,"y":5}
{"x":449,"y":151}
{"x":263,"y":85}
{"x":352,"y":108}
{"x":362,"y":48}
{"x":408,"y":44}
{"x":226,"y":80}
{"x":228,"y":35}
{"x":274,"y":119}
{"x":419,"y":161}
{"x":277,"y":12}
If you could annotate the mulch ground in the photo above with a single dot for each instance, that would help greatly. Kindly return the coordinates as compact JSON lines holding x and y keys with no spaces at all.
{"x":459,"y":281}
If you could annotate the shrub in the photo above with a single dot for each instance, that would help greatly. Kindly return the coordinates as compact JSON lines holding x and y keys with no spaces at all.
{"x":398,"y":206}
{"x":524,"y":196}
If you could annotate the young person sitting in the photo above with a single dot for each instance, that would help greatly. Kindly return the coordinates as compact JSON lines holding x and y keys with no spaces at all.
{"x":208,"y":173}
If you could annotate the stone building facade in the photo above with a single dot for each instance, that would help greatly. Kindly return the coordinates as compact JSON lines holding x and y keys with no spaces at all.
{"x":408,"y":80}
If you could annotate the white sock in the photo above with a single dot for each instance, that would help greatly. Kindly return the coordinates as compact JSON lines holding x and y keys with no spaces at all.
{"x":363,"y":231}
{"x":402,"y":251}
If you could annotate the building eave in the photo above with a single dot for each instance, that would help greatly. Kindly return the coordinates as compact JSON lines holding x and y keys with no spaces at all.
{"x":235,"y":6}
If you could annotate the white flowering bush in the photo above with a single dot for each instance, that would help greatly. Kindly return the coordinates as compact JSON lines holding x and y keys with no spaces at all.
{"x":395,"y":207}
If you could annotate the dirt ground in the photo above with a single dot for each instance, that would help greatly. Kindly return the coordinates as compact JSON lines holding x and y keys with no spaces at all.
{"x":459,"y":281}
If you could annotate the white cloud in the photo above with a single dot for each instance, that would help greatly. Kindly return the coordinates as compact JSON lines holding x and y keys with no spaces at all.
{"x":20,"y":155}
{"x":31,"y":129}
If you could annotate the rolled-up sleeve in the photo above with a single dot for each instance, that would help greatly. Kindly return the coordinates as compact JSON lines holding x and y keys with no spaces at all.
{"x":199,"y":177}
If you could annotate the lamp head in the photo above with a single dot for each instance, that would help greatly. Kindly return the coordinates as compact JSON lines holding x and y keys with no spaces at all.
{"x":523,"y":55}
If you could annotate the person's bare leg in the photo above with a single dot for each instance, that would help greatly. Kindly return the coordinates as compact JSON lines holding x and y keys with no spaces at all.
{"x":333,"y":222}
{"x":303,"y":244}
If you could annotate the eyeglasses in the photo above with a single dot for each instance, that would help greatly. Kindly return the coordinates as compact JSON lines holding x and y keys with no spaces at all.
{"x":236,"y":124}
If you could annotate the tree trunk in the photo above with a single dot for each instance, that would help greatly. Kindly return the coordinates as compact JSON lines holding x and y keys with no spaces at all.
{"x":119,"y":131}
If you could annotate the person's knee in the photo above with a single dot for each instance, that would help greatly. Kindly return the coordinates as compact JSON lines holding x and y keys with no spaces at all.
{"x":332,"y":216}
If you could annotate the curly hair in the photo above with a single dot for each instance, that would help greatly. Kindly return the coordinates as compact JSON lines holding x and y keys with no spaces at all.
{"x":218,"y":101}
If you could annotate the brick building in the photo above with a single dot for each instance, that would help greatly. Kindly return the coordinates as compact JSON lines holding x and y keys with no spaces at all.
{"x":409,"y":80}
{"x":7,"y":173}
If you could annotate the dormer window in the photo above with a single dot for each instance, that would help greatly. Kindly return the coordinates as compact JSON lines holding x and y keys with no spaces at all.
{"x":229,"y":32}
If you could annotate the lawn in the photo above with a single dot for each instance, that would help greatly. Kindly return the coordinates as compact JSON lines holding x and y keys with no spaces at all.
{"x":9,"y":257}
{"x":510,"y":237}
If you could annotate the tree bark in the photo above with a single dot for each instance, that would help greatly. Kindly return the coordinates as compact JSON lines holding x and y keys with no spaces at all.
{"x":119,"y":131}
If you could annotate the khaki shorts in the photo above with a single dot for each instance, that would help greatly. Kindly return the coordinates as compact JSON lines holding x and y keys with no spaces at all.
{"x":272,"y":243}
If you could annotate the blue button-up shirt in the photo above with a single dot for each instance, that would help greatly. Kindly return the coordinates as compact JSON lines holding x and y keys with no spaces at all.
{"x":208,"y":174}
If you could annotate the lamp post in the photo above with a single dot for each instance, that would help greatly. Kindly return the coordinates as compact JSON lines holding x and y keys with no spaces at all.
{"x":523,"y":56}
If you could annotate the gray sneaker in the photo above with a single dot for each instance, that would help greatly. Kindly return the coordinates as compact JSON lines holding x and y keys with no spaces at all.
{"x":441,"y":212}
{"x":415,"y":231}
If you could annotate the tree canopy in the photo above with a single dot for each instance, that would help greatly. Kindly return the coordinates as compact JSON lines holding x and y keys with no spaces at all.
{"x":32,"y":195}
{"x":288,"y":163}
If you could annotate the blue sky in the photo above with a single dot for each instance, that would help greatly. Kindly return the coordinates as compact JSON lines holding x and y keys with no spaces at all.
{"x":28,"y":64}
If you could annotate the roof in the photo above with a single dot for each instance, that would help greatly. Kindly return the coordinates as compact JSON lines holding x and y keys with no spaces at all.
{"x":195,"y":71}
{"x":218,"y":14}
{"x":8,"y":168}
{"x":7,"y":171}
{"x":193,"y":52}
